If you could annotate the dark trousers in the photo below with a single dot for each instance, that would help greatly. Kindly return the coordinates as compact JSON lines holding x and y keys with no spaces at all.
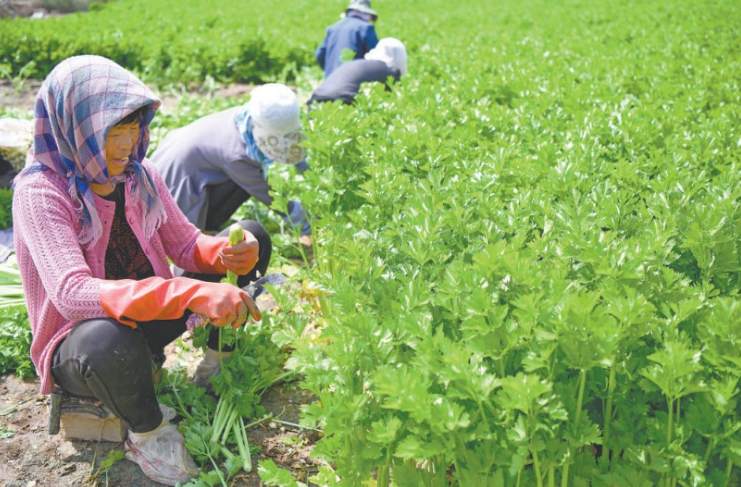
{"x":223,"y":200}
{"x":111,"y":362}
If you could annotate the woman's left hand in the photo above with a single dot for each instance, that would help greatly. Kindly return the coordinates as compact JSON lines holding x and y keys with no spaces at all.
{"x":241,"y":258}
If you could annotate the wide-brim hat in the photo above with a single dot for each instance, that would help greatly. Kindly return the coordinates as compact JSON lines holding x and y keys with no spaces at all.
{"x":362,"y":6}
{"x":276,"y":123}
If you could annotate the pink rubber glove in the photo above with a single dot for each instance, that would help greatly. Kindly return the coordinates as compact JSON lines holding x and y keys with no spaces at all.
{"x":154,"y":298}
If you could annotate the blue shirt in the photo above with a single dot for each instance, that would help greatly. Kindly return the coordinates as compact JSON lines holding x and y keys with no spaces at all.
{"x":349,"y":33}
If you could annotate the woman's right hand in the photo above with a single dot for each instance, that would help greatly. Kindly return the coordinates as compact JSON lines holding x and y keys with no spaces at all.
{"x":224,"y":304}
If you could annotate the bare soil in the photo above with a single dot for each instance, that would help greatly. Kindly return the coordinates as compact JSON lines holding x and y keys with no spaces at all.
{"x":41,"y":8}
{"x":23,"y":96}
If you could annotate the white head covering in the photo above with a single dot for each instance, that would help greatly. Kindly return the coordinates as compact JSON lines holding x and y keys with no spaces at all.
{"x":392,"y":52}
{"x":276,"y":122}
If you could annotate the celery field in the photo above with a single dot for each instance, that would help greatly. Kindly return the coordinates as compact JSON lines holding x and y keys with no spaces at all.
{"x":527,"y":262}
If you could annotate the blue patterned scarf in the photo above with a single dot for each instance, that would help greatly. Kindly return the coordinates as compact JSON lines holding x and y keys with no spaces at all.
{"x":80,"y":100}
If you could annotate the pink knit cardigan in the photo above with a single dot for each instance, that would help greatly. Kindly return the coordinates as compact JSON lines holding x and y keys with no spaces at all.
{"x":61,"y":278}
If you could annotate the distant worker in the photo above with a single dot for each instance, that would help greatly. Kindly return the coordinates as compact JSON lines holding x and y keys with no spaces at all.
{"x":216,"y":163}
{"x":349,"y":38}
{"x":387,"y":60}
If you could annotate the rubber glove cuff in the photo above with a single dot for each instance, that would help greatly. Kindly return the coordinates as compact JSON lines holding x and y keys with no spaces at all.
{"x":208,"y":254}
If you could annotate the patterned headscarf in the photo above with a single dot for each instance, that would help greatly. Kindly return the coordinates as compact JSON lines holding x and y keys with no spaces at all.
{"x":80,"y":100}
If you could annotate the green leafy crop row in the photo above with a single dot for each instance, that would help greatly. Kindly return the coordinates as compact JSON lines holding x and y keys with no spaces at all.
{"x":15,"y":342}
{"x":531,"y":253}
{"x":175,"y":41}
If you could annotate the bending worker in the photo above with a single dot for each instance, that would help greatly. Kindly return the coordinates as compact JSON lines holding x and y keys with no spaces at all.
{"x":387,"y":60}
{"x":349,"y":38}
{"x":95,"y":226}
{"x":216,"y":163}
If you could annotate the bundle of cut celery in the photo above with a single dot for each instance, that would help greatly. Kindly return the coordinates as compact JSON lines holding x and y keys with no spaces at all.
{"x":11,"y":290}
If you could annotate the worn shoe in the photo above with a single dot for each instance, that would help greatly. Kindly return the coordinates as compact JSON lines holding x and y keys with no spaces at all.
{"x":161,"y":454}
{"x":168,"y":413}
{"x":208,"y":367}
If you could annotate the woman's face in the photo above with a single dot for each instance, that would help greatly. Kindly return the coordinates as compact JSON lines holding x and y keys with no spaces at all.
{"x":119,"y":144}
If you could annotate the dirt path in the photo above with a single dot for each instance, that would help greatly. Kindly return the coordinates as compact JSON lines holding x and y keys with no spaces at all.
{"x":23,"y":97}
{"x":30,"y":457}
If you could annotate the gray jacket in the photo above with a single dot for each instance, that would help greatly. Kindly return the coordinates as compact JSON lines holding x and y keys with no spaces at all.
{"x":208,"y":172}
